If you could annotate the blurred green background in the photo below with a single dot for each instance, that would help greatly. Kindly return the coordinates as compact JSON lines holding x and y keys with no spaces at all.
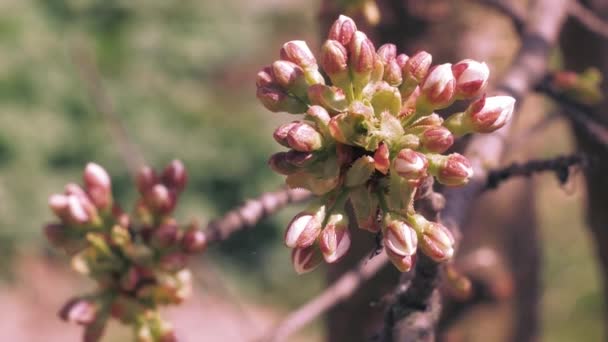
{"x":181,"y":77}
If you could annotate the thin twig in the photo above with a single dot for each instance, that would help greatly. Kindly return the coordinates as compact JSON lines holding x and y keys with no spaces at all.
{"x":586,"y":17}
{"x":89,"y":74}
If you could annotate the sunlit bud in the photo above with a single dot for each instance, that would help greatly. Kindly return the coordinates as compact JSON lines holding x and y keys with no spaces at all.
{"x":265,"y":78}
{"x":471,"y":78}
{"x":175,"y":176}
{"x":297,"y":51}
{"x":437,"y":242}
{"x":76,"y":212}
{"x":280,"y":134}
{"x":400,"y":238}
{"x":166,"y":235}
{"x":98,"y":185}
{"x":173,"y":262}
{"x":334,"y":59}
{"x":306,"y":259}
{"x":59,"y":205}
{"x":319,"y":115}
{"x":80,"y":311}
{"x":392,"y":73}
{"x":299,"y":159}
{"x":386,"y":98}
{"x":427,"y":122}
{"x":305,"y":227}
{"x":160,"y":199}
{"x":360,"y":171}
{"x":410,"y":164}
{"x":401,"y":59}
{"x":290,"y":76}
{"x":437,"y":139}
{"x":387,"y":52}
{"x":437,"y":89}
{"x":342,"y":30}
{"x":362,"y":59}
{"x":303,"y":137}
{"x":75,"y":190}
{"x":416,"y":67}
{"x":490,"y":113}
{"x":194,"y":240}
{"x":402,"y":263}
{"x":331,"y":98}
{"x":451,"y":170}
{"x":335,"y":238}
{"x":381,"y":158}
{"x":277,"y":100}
{"x":365,"y":208}
{"x":278,"y":162}
{"x":146,"y":178}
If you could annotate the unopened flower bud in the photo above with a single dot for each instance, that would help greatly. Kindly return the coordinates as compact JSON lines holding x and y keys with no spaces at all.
{"x":76,"y":213}
{"x":194,"y":241}
{"x":98,"y":185}
{"x":146,"y":178}
{"x":303,"y":137}
{"x":306,"y":259}
{"x":417,"y":67}
{"x":299,"y":159}
{"x":451,"y":170}
{"x":297,"y":51}
{"x":410,"y":164}
{"x":490,"y":113}
{"x":362,"y":59}
{"x":437,"y":242}
{"x":166,"y":235}
{"x":437,"y":139}
{"x":471,"y":78}
{"x":175,"y":176}
{"x":387,"y":52}
{"x":331,"y":98}
{"x":265,"y":78}
{"x":290,"y":76}
{"x":401,"y":59}
{"x":360,"y":171}
{"x":381,"y":158}
{"x":85,"y":202}
{"x":160,"y":199}
{"x":342,"y":30}
{"x":277,"y":100}
{"x":280,"y":134}
{"x":335,"y":238}
{"x":80,"y":311}
{"x":392,"y":73}
{"x":437,"y":90}
{"x":279,"y":163}
{"x":400,"y":238}
{"x":305,"y":227}
{"x":319,"y":115}
{"x":402,"y":263}
{"x":334,"y":61}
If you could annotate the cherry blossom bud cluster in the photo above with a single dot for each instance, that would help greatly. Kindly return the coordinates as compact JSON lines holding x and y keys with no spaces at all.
{"x":139,"y":261}
{"x":369,"y":135}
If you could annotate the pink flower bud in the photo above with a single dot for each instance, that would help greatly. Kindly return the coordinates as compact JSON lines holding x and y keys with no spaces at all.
{"x":362,"y":54}
{"x":471,"y":78}
{"x":265,"y":78}
{"x":279,"y":163}
{"x":489,"y":114}
{"x":401,"y":59}
{"x":306,"y":259}
{"x":299,"y":159}
{"x":342,"y":30}
{"x":381,"y":158}
{"x":305,"y":227}
{"x":59,"y":205}
{"x":332,"y":99}
{"x":84,"y":199}
{"x":437,"y":242}
{"x":417,"y":67}
{"x":437,"y":90}
{"x":402,"y":263}
{"x":437,"y":139}
{"x":319,"y":115}
{"x":452,"y":170}
{"x":98,"y":185}
{"x":392,"y":73}
{"x":175,"y":176}
{"x":334,"y":58}
{"x":80,"y":311}
{"x":160,"y":199}
{"x":303,"y":137}
{"x":276,"y":99}
{"x":290,"y":76}
{"x":297,"y":51}
{"x":335,"y":238}
{"x":387,"y":52}
{"x":166,"y":235}
{"x":410,"y":164}
{"x":146,"y":178}
{"x":76,"y":212}
{"x":400,"y":238}
{"x":194,"y":241}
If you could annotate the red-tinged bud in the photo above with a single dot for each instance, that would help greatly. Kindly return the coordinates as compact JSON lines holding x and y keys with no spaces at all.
{"x":160,"y":199}
{"x":59,"y":205}
{"x":335,"y":238}
{"x":173,"y":262}
{"x":387,"y":52}
{"x":342,"y":30}
{"x":297,"y":51}
{"x":331,"y":98}
{"x":346,"y":128}
{"x":299,"y":159}
{"x":277,"y":100}
{"x":471,"y":78}
{"x":167,"y":235}
{"x":400,"y":238}
{"x":437,"y":242}
{"x":303,"y":137}
{"x":72,"y":189}
{"x":77,"y":213}
{"x":361,"y":170}
{"x":362,"y":60}
{"x":98,"y":185}
{"x":437,"y":139}
{"x":305,"y":227}
{"x":437,"y":90}
{"x":410,"y":164}
{"x":194,"y":241}
{"x":402,"y":263}
{"x":452,"y":170}
{"x":381,"y":158}
{"x":319,"y":115}
{"x":279,"y":163}
{"x":306,"y":259}
{"x":265,"y":78}
{"x":489,"y":114}
{"x":334,"y":59}
{"x":175,"y":176}
{"x":427,"y":122}
{"x":146,"y":178}
{"x":290,"y":76}
{"x":401,"y":59}
{"x":80,"y":311}
{"x":392,"y":73}
{"x":417,"y":67}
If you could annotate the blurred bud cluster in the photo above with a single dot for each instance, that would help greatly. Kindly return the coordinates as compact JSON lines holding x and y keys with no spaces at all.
{"x":138,"y":262}
{"x":581,"y":87}
{"x":370,"y":135}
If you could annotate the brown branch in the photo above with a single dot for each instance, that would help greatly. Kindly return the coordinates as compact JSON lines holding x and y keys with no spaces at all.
{"x":252,"y":211}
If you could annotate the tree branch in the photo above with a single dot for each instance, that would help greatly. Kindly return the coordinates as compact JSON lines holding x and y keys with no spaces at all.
{"x":588,"y":19}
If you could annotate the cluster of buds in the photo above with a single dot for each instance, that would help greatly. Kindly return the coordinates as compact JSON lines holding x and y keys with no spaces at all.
{"x":138,"y":262}
{"x":581,"y":87}
{"x":370,"y":135}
